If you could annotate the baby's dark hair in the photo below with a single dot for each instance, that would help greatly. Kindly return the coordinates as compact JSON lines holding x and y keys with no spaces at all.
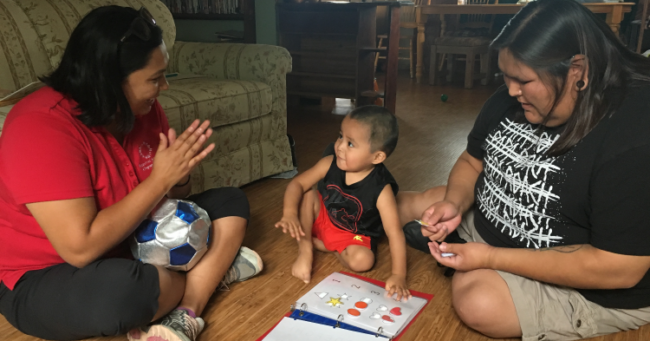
{"x":382,"y":124}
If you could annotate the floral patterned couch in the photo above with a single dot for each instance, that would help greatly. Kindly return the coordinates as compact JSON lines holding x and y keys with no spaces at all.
{"x":240,"y":88}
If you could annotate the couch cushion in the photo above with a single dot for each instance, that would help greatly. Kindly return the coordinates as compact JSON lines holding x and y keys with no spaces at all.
{"x":54,"y":21}
{"x":22,"y":56}
{"x":220,"y":101}
{"x":232,"y":137}
{"x":3,"y":115}
{"x":255,"y":161}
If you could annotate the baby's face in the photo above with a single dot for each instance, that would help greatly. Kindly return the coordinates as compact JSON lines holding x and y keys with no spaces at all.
{"x":353,"y":148}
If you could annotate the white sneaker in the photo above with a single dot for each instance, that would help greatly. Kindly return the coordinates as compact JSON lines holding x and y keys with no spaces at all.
{"x":178,"y":325}
{"x":246,"y":265}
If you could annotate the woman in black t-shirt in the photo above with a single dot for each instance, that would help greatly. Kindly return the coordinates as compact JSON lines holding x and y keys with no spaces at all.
{"x":553,"y":191}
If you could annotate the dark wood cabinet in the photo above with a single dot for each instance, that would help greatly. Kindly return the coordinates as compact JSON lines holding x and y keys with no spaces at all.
{"x":333,"y":48}
{"x":246,"y":13}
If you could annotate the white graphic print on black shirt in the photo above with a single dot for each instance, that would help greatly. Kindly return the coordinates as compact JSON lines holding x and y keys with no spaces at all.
{"x":597,"y":193}
{"x":517,"y":189}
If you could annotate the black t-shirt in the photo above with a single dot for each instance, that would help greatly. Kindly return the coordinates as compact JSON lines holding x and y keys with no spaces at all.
{"x":353,"y":208}
{"x":597,"y":193}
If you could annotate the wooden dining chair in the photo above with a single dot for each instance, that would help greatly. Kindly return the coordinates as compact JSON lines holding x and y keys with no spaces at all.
{"x":407,"y":21}
{"x":472,"y":38}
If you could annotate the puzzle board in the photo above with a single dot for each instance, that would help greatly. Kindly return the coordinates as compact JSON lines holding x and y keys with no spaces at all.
{"x":359,"y":303}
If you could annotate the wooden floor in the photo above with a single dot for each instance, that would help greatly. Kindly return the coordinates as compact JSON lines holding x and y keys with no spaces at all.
{"x":432,"y":135}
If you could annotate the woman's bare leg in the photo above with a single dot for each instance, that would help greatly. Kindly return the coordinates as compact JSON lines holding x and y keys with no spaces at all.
{"x":483,"y":302}
{"x":203,"y":279}
{"x":172,"y":287}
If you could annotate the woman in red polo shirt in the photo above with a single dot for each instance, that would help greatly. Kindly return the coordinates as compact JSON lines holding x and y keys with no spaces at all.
{"x":82,"y":162}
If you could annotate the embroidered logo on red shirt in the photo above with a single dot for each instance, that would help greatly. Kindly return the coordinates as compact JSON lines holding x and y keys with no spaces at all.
{"x":145,"y":152}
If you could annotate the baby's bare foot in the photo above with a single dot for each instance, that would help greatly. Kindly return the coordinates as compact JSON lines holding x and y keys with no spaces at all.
{"x":301,"y":268}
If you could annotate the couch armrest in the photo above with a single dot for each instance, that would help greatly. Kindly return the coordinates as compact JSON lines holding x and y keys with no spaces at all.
{"x":252,"y":62}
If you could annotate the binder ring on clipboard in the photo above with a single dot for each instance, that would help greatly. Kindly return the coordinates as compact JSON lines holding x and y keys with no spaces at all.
{"x":339,"y":319}
{"x":302,"y":309}
{"x":379,"y":331}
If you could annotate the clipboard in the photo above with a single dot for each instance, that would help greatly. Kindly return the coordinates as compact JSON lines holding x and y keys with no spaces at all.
{"x":301,"y":311}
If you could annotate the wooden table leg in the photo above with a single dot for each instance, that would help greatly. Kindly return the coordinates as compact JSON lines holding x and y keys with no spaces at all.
{"x":614,"y":18}
{"x":443,"y":25}
{"x":443,"y":28}
{"x":644,"y":22}
{"x":392,"y":54}
{"x":421,"y":20}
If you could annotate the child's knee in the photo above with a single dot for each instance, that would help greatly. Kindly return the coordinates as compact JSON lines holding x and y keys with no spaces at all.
{"x":319,"y":245}
{"x":359,"y":258}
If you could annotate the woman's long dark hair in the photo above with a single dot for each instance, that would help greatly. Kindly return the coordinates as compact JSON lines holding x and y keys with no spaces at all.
{"x":546,"y":34}
{"x":95,"y":64}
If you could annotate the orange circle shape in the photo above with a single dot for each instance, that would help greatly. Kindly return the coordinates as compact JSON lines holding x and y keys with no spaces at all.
{"x":354,"y":312}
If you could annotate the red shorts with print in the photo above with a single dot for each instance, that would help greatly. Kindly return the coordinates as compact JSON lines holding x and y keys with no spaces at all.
{"x":333,"y":237}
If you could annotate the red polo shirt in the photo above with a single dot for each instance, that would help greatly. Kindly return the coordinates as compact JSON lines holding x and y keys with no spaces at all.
{"x":47,"y":154}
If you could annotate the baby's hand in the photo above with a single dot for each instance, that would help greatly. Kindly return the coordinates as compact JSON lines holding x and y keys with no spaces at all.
{"x":396,"y":284}
{"x":291,"y":224}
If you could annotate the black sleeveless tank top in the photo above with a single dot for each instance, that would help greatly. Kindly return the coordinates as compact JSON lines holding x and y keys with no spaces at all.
{"x":353,"y":208}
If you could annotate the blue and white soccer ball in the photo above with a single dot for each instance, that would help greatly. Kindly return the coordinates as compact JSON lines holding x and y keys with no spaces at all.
{"x":176,"y":236}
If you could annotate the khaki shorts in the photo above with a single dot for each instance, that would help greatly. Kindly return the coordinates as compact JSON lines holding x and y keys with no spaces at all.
{"x":551,"y":312}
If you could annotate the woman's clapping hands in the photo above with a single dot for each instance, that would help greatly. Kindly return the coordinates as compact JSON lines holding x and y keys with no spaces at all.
{"x":178,"y":155}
